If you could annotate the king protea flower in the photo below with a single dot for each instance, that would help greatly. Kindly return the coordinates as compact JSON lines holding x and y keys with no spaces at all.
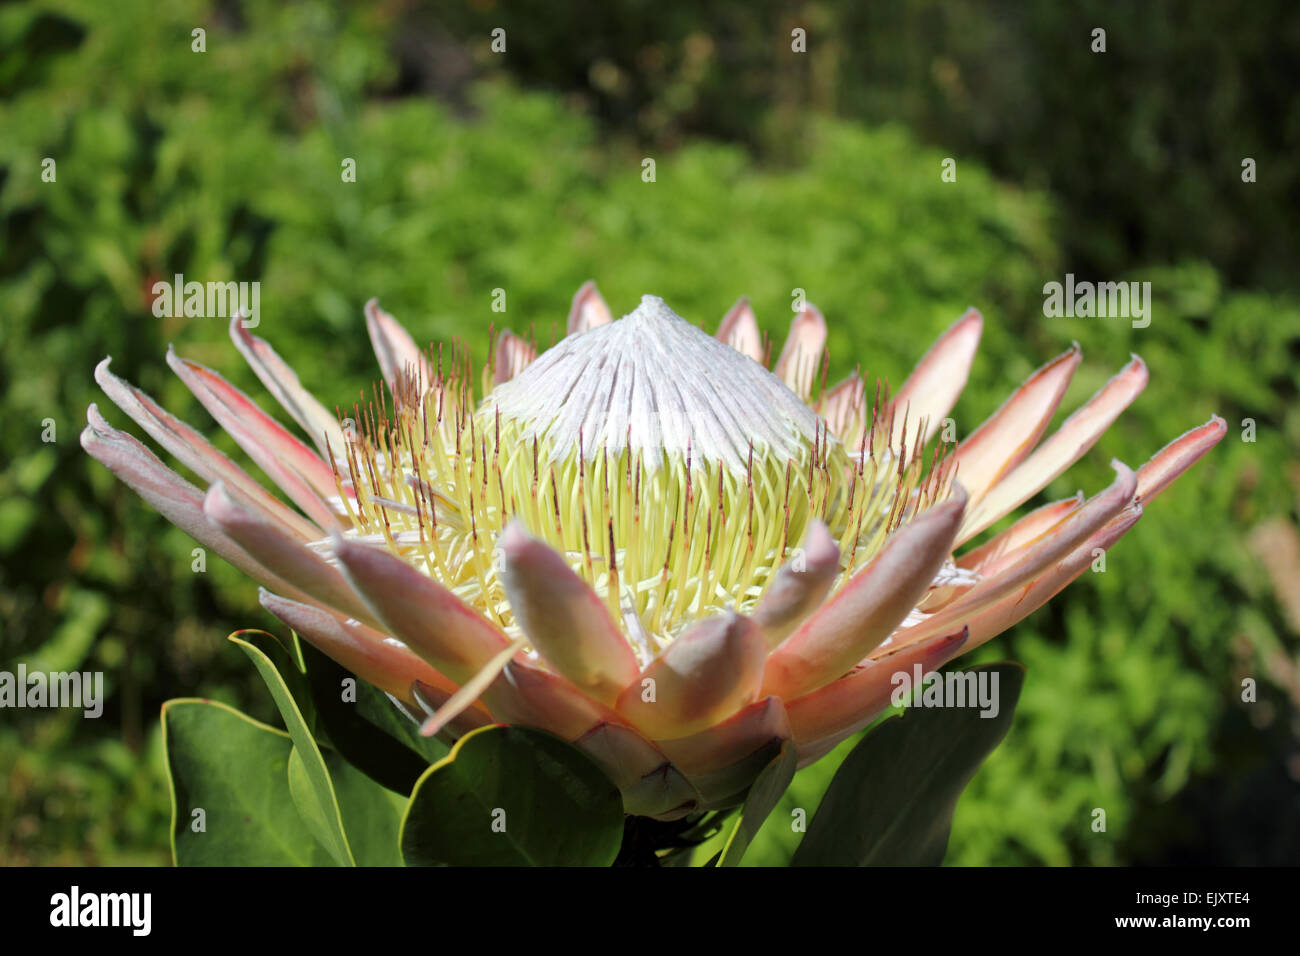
{"x":643,"y":539}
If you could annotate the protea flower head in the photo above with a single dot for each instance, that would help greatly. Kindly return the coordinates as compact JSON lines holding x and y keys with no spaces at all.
{"x":642,"y":539}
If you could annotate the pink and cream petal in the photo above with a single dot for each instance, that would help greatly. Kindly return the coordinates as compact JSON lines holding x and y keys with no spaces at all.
{"x":282,"y":382}
{"x":934,"y":386}
{"x":1021,"y":533}
{"x":421,"y":613}
{"x":1011,"y":433}
{"x":1167,"y":465}
{"x":1176,"y":457}
{"x":588,"y":310}
{"x":565,"y":620}
{"x":198,"y":454}
{"x":431,"y":700}
{"x":169,"y":494}
{"x":287,"y":556}
{"x":1151,"y":479}
{"x":822,"y":719}
{"x":722,"y":761}
{"x":1070,"y":442}
{"x":1016,"y":606}
{"x":739,"y":329}
{"x":868,"y":608}
{"x":704,"y":676}
{"x":455,"y":705}
{"x":513,"y":355}
{"x":369,"y":654}
{"x":295,"y":468}
{"x":1061,"y":537}
{"x":802,"y":354}
{"x":528,"y":695}
{"x":844,"y":407}
{"x":1015,"y":569}
{"x":398,"y":356}
{"x":800,"y":587}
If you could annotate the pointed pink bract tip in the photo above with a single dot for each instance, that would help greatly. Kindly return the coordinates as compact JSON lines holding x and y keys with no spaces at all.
{"x":957,"y":493}
{"x":819,"y":546}
{"x":218,"y":505}
{"x":514,"y":537}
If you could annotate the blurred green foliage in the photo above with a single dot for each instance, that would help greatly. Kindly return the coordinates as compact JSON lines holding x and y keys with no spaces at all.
{"x":1183,"y":92}
{"x":225,"y":165}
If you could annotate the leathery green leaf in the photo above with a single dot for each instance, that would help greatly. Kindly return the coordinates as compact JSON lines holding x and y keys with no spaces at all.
{"x":763,"y":797}
{"x":892,"y":801}
{"x":230,"y":790}
{"x":512,"y":796}
{"x":311,"y":788}
{"x":368,"y":728}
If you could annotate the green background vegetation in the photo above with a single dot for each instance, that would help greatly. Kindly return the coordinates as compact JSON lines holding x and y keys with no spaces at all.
{"x":522,"y":171}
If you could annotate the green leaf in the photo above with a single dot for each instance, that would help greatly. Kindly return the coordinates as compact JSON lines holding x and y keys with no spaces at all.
{"x":234,"y":769}
{"x":511,"y":796}
{"x":288,"y":663}
{"x":778,"y":838}
{"x":311,"y":788}
{"x":891,"y":803}
{"x":371,"y":733}
{"x":763,"y":796}
{"x":302,"y":792}
{"x":742,"y":774}
{"x":372,"y":814}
